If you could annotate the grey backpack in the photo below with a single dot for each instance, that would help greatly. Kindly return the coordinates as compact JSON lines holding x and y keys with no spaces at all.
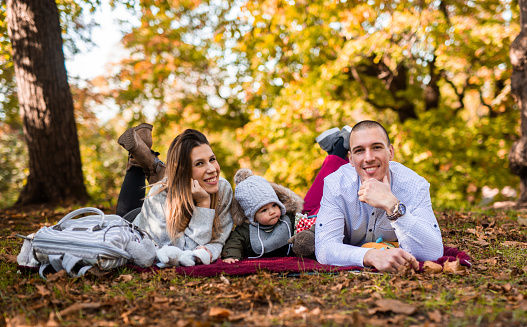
{"x":76,"y":245}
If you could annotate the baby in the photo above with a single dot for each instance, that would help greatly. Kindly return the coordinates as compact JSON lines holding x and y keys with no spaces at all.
{"x":266,"y":228}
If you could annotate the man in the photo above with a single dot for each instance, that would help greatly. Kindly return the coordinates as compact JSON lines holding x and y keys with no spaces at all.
{"x":373,"y":198}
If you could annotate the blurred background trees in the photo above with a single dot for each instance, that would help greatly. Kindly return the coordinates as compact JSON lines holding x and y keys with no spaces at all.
{"x":263,"y":78}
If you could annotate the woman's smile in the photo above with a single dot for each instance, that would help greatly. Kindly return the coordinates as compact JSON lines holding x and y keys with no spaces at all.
{"x":205,"y":168}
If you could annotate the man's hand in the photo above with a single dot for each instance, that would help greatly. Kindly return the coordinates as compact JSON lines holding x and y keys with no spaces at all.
{"x":378,"y":194}
{"x":389,"y":260}
{"x":199,"y":195}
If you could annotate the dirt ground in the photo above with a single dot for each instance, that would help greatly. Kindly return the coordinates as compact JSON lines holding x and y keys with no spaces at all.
{"x":492,"y":292}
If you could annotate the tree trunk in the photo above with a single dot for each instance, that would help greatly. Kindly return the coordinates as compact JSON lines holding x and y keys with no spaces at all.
{"x":518,"y":55}
{"x":55,"y":169}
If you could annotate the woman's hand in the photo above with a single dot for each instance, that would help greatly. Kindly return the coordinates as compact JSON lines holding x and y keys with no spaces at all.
{"x":230,"y":260}
{"x":199,"y":195}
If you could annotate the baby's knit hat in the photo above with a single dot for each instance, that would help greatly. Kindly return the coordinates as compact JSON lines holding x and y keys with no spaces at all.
{"x":253,"y":193}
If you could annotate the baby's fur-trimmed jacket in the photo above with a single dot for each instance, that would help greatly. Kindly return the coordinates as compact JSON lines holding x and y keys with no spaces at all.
{"x":238,"y":246}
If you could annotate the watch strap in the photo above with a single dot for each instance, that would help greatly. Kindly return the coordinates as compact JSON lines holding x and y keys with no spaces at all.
{"x":396,"y":212}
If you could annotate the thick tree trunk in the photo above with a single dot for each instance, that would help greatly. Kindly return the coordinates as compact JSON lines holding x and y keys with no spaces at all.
{"x":55,"y":170}
{"x":518,"y":55}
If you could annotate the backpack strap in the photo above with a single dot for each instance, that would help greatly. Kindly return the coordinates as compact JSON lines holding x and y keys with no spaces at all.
{"x":65,"y":262}
{"x":69,"y":261}
{"x":83,"y":270}
{"x":41,"y":270}
{"x":56,"y":261}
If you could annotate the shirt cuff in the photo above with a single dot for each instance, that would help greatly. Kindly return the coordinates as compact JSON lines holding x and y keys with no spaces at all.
{"x":405,"y":222}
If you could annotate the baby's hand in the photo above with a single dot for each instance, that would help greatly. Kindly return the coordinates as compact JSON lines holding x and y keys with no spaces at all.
{"x":230,"y":260}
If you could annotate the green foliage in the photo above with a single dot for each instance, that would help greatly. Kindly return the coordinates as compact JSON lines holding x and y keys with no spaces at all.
{"x":104,"y":162}
{"x":457,"y":159}
{"x":172,"y":67}
{"x":13,"y":160}
{"x":8,"y":97}
{"x":263,"y":78}
{"x":422,"y":69}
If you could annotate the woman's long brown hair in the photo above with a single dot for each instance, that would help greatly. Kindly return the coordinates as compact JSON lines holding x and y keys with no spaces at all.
{"x":179,"y":203}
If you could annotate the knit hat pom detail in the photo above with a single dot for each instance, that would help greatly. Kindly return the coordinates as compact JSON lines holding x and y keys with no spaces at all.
{"x":242,"y":174}
{"x":253,"y":192}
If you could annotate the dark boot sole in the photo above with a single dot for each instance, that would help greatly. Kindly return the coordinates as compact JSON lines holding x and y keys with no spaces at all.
{"x":127,"y":140}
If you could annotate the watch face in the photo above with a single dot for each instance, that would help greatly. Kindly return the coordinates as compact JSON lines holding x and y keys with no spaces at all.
{"x":401,"y":209}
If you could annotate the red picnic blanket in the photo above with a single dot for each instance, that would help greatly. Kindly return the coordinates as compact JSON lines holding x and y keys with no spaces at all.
{"x":287,"y":265}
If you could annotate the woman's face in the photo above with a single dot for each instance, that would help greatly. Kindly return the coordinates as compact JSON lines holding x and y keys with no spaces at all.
{"x":205,"y":168}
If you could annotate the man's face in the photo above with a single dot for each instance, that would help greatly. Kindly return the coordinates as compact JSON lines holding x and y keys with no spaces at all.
{"x":370,"y":153}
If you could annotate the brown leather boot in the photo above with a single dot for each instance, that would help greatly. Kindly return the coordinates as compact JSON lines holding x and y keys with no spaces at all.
{"x":144,"y":131}
{"x":142,"y":155}
{"x":158,"y":171}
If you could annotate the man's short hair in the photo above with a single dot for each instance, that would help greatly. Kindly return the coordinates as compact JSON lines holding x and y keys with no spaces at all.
{"x":366,"y":124}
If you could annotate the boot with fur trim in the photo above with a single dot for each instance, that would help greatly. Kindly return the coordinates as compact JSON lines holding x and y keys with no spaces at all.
{"x":293,"y":202}
{"x":141,"y":153}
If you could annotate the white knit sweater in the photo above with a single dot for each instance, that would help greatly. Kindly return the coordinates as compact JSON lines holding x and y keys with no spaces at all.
{"x":199,"y":231}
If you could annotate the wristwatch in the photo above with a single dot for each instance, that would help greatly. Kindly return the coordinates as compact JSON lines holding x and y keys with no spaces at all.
{"x":398,"y":211}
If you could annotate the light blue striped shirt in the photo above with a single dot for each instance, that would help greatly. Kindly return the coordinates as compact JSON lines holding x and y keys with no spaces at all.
{"x":344,"y":223}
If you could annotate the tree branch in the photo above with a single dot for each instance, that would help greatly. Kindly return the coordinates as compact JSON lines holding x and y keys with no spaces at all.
{"x":364,"y":89}
{"x":460,"y":95}
{"x":483,"y":100}
{"x":444,"y":10}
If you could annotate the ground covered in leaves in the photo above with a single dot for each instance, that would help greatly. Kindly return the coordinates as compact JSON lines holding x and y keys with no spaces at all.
{"x":493,"y":292}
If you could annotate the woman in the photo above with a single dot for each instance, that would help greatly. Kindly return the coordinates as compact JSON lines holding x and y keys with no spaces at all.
{"x":190,"y":206}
